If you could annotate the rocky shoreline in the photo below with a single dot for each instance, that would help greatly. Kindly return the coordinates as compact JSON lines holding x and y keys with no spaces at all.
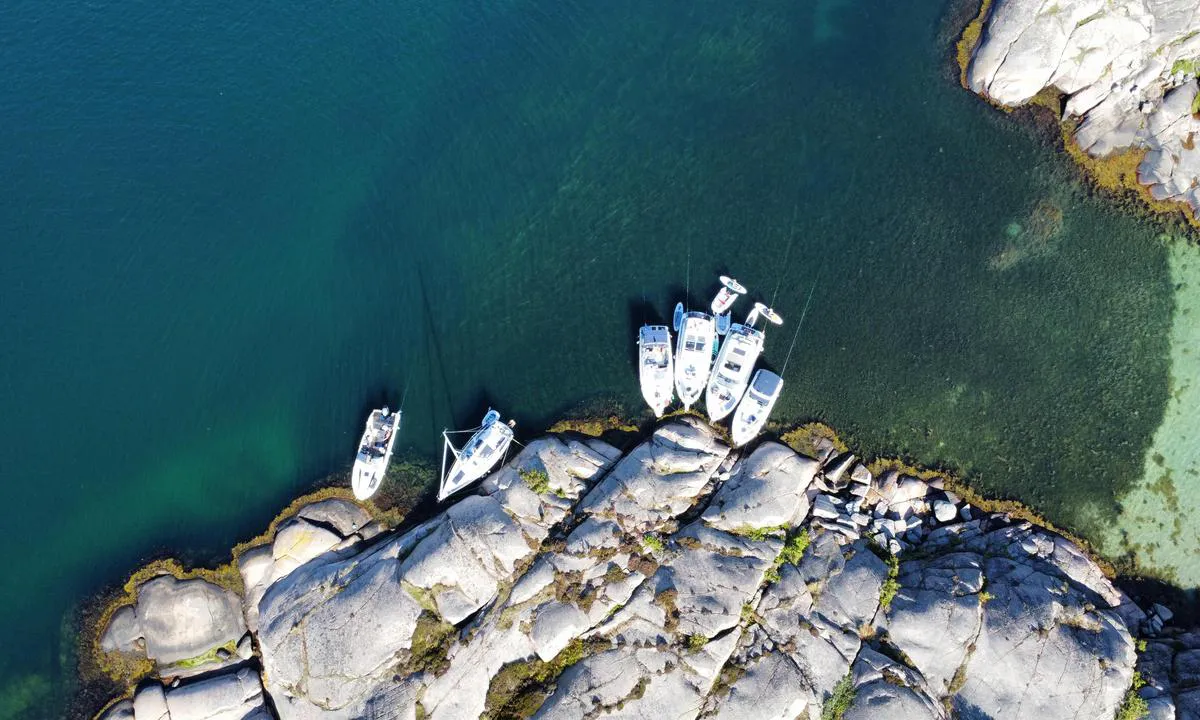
{"x":681,"y":576}
{"x":1123,"y":76}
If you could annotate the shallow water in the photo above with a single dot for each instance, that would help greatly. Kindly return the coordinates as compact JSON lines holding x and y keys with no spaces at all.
{"x":234,"y":228}
{"x":1157,"y":522}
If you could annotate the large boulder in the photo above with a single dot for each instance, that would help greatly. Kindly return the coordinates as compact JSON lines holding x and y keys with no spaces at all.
{"x":659,"y":479}
{"x":768,"y":490}
{"x":180,"y":619}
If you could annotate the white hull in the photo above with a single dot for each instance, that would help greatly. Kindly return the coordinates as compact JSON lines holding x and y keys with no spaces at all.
{"x":693,"y":356}
{"x":374,"y":453}
{"x":755,"y":407}
{"x":727,"y":295}
{"x":479,"y":455}
{"x":656,"y":371}
{"x":731,"y":373}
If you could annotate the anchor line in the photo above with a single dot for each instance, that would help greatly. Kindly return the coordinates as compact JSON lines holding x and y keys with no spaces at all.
{"x":799,"y":325}
{"x":786,"y":253}
{"x":407,"y":380}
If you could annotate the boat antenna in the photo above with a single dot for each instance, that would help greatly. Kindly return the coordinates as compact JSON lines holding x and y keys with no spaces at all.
{"x":786,"y":253}
{"x":801,"y":323}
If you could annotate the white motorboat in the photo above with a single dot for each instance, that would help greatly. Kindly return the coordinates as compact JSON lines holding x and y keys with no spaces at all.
{"x":655,"y":368}
{"x":374,"y":452}
{"x":727,"y":295}
{"x":731,"y":373}
{"x":694,"y":350}
{"x":487,"y":446}
{"x":755,"y":407}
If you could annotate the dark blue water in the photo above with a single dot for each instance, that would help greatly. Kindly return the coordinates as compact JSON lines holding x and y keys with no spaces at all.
{"x":229,"y":229}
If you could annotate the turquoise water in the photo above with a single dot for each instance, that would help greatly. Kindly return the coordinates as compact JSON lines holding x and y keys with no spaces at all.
{"x":231,"y":229}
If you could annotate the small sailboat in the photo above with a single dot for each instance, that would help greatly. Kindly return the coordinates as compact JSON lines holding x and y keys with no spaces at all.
{"x":374,"y":452}
{"x":655,"y":367}
{"x":487,"y":446}
{"x":728,"y":294}
{"x":694,"y":349}
{"x":755,"y":407}
{"x":735,"y":362}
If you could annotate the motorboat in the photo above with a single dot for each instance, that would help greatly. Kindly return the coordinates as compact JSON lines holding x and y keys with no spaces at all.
{"x":374,"y":452}
{"x":728,"y":294}
{"x":487,"y":446}
{"x":735,"y":362}
{"x":694,"y":350}
{"x":655,"y":368}
{"x":755,"y":407}
{"x":677,"y":318}
{"x":731,"y":372}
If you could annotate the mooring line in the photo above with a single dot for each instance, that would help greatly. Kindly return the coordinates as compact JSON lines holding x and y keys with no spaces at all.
{"x":799,"y":325}
{"x":786,"y":253}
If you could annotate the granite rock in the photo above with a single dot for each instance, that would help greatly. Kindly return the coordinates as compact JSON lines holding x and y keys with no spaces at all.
{"x":654,"y":585}
{"x":1127,"y":67}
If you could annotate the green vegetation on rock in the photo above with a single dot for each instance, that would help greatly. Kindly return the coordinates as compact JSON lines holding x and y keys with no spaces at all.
{"x":1189,"y":67}
{"x":841,"y":699}
{"x":213,"y":655}
{"x":891,"y":585}
{"x":520,"y":688}
{"x":1134,"y":706}
{"x":537,"y":480}
{"x":794,"y":548}
{"x":652,"y":542}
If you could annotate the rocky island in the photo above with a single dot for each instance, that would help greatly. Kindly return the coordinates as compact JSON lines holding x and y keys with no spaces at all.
{"x":1124,"y":79}
{"x":680,"y":579}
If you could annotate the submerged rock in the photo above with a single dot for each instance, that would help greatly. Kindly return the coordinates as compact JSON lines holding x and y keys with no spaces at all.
{"x":681,"y":580}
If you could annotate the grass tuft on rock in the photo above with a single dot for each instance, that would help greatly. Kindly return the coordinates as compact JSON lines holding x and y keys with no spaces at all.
{"x":1134,"y":706}
{"x":537,"y":480}
{"x":840,"y":700}
{"x":891,"y":585}
{"x":793,"y":549}
{"x":760,"y":534}
{"x":652,"y":542}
